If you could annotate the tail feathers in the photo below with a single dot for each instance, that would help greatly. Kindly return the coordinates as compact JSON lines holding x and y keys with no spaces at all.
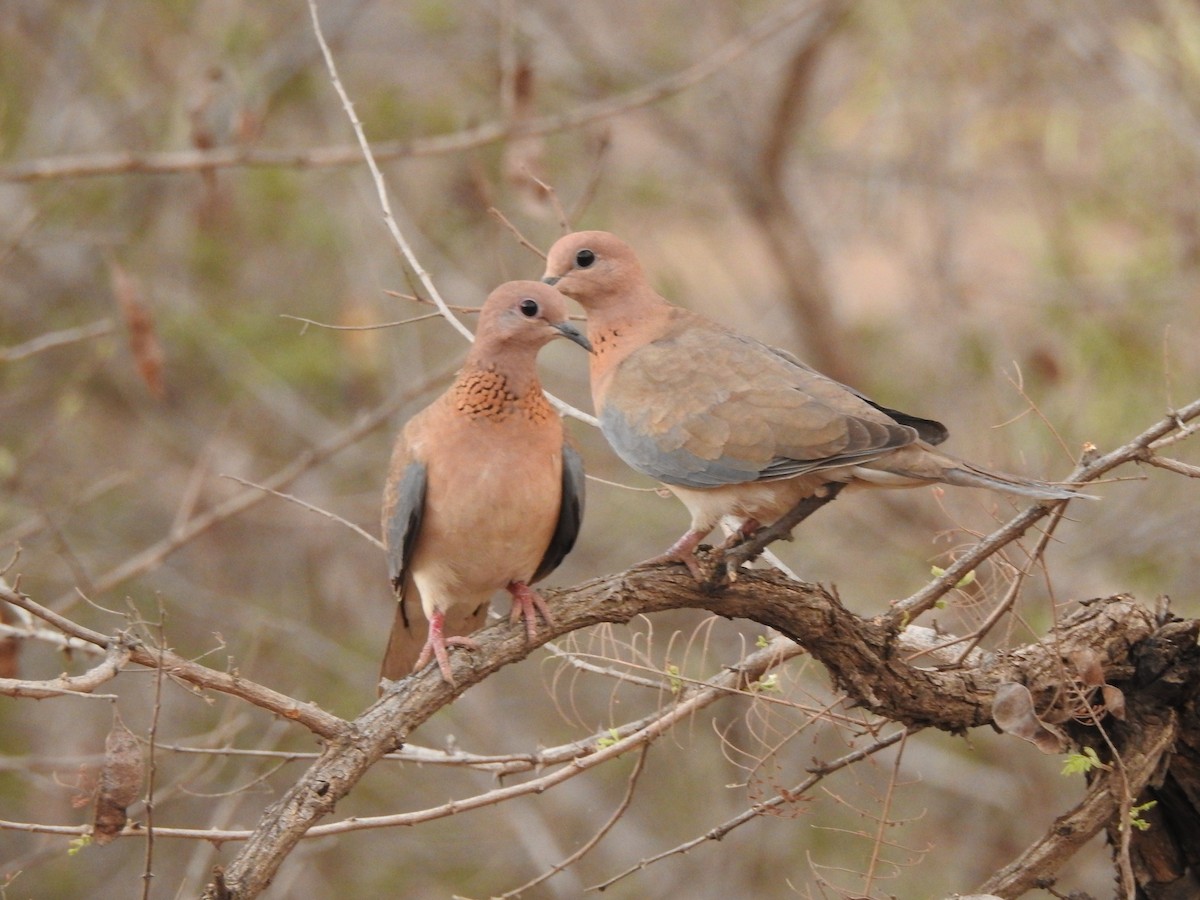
{"x":966,"y":475}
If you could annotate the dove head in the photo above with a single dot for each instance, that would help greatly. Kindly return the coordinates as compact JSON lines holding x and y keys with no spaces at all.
{"x":524,"y":315}
{"x":595,"y":269}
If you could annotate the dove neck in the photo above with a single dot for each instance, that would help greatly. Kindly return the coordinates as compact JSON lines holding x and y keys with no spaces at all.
{"x":628,"y":314}
{"x":516,"y":371}
{"x":617,"y":331}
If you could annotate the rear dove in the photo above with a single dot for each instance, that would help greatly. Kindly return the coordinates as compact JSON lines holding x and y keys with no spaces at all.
{"x":484,"y":492}
{"x":730,"y":425}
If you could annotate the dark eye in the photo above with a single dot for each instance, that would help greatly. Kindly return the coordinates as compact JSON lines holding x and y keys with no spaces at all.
{"x":528,"y":307}
{"x":584,"y":258}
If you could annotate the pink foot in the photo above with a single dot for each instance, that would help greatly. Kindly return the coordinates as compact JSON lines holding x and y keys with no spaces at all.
{"x":436,"y":643}
{"x":684,"y":551}
{"x":528,"y":603}
{"x":745,"y":531}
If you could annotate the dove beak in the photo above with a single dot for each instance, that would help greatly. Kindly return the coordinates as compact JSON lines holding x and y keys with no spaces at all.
{"x":571,"y":333}
{"x":551,"y":279}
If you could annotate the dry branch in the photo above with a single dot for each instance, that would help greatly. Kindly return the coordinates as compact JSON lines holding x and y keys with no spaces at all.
{"x":184,"y":161}
{"x":71,"y":685}
{"x":309,"y":715}
{"x":864,"y":658}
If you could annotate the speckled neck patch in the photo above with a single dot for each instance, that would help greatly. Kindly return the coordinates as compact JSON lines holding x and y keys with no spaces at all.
{"x":486,"y":394}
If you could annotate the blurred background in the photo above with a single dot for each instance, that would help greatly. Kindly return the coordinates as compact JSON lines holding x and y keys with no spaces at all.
{"x":983,"y":213}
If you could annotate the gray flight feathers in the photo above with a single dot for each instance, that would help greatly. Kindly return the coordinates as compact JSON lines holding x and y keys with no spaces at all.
{"x":756,"y":413}
{"x":570,"y":513}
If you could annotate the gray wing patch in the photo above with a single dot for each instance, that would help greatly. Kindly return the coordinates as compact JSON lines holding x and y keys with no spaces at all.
{"x":688,"y":470}
{"x":928,"y":430}
{"x":404,"y":522}
{"x":570,"y":513}
{"x":678,"y":466}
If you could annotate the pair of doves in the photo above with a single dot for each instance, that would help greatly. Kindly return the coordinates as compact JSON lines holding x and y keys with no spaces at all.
{"x":485,"y":488}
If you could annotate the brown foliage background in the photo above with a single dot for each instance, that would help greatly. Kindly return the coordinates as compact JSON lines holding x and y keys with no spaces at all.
{"x":965,"y":210}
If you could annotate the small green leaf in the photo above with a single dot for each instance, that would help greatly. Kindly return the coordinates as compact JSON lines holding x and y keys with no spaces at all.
{"x":963,"y":582}
{"x":1135,"y":815}
{"x":78,"y":844}
{"x":768,"y":683}
{"x":1082,"y":763}
{"x":675,"y":679}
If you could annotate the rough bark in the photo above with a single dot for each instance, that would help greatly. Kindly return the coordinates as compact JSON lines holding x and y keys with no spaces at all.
{"x":1155,"y":663}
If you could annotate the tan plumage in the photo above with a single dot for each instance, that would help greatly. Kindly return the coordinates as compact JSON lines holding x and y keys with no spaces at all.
{"x":732,"y":426}
{"x":483,"y":491}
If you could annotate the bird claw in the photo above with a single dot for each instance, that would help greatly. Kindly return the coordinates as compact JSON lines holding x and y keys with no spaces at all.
{"x":682,"y":551}
{"x":436,"y":644}
{"x":528,"y":604}
{"x":742,"y":533}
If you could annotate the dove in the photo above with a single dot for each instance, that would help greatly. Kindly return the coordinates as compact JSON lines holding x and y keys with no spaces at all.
{"x":484,"y":490}
{"x":732,"y":426}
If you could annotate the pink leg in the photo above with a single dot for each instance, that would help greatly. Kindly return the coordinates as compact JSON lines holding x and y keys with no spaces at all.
{"x":436,"y":643}
{"x":684,"y":551}
{"x":528,"y":603}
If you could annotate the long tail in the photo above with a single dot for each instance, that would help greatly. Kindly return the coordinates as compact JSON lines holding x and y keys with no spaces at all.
{"x":964,"y":474}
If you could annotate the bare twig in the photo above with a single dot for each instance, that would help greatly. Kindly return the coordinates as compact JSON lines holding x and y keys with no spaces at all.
{"x":390,"y":220}
{"x":326,"y":325}
{"x":971,"y":641}
{"x":186,"y":161}
{"x":758,"y":809}
{"x":55,"y":339}
{"x":883,"y":820}
{"x":595,"y":839}
{"x":466,"y":310}
{"x":115,"y":658}
{"x":370,"y":538}
{"x":309,"y":715}
{"x":924,"y":599}
{"x":516,"y":232}
{"x":1174,"y":465}
{"x":152,"y":760}
{"x":381,"y":186}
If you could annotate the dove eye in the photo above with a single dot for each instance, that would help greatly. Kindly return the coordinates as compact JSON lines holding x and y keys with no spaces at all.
{"x":528,"y":307}
{"x":584,"y":258}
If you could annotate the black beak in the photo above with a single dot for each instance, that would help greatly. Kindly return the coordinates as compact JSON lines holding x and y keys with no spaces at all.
{"x":571,"y":333}
{"x":551,"y":279}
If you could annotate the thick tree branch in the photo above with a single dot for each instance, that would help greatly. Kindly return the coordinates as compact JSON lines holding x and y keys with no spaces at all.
{"x":864,"y":658}
{"x":1037,"y":865}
